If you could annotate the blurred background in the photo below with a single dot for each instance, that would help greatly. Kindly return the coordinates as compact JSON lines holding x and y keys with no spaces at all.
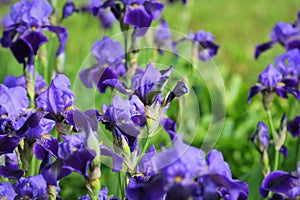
{"x":238,"y":26}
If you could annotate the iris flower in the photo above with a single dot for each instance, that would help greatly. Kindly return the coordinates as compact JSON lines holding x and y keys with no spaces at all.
{"x":23,"y":33}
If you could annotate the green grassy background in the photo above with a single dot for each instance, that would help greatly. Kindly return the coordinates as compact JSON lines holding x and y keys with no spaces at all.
{"x":237,"y":26}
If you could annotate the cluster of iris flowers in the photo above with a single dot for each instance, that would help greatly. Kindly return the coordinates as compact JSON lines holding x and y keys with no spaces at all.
{"x":44,"y":137}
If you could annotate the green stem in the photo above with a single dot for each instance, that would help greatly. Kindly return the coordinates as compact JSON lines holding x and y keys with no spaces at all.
{"x":33,"y":165}
{"x":127,"y":53}
{"x":146,"y":145}
{"x":121,"y":185}
{"x":29,"y":73}
{"x":275,"y":138}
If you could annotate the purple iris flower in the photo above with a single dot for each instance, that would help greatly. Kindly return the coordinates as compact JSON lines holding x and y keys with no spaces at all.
{"x":207,"y":48}
{"x":121,"y":118}
{"x":103,"y":195}
{"x":282,"y":183}
{"x":140,"y":13}
{"x":24,"y":34}
{"x":12,"y":81}
{"x":146,"y":183}
{"x":270,"y":81}
{"x":11,"y":133}
{"x":148,"y":86}
{"x":283,"y":33}
{"x":261,"y":137}
{"x":7,"y":191}
{"x":294,"y":127}
{"x":220,"y":176}
{"x":33,"y":187}
{"x":110,"y":64}
{"x":148,"y":83}
{"x":58,"y":98}
{"x":72,"y":155}
{"x":180,"y":166}
{"x":95,"y":7}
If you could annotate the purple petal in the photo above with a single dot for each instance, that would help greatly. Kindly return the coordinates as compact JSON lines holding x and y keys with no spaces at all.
{"x":86,"y":76}
{"x":154,"y":8}
{"x":58,"y":97}
{"x":270,"y":77}
{"x":137,"y":16}
{"x":21,"y":50}
{"x":8,"y":143}
{"x":254,"y":90}
{"x":169,"y":126}
{"x":261,"y":138}
{"x":10,"y":173}
{"x":102,"y":76}
{"x":262,"y":47}
{"x":217,"y":164}
{"x":117,"y":160}
{"x":62,"y":35}
{"x":7,"y":37}
{"x":118,"y":85}
{"x":79,"y":160}
{"x":34,"y":40}
{"x":294,"y":127}
{"x":41,"y":9}
{"x":13,"y":100}
{"x":7,"y":191}
{"x":284,"y":150}
{"x":55,"y":172}
{"x":68,"y":9}
{"x":279,"y":182}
